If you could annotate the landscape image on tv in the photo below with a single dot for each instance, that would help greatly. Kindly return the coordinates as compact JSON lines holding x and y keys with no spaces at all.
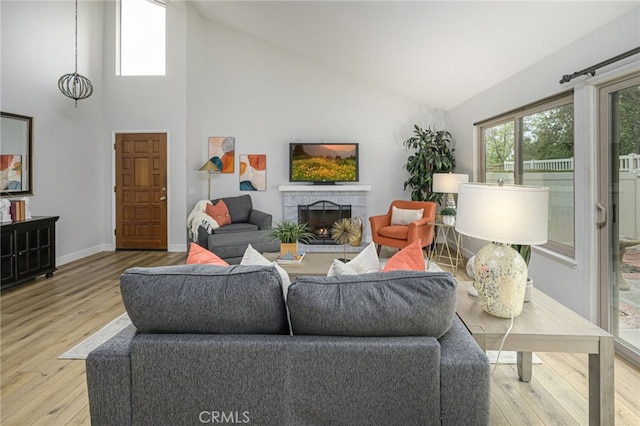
{"x":324,"y":162}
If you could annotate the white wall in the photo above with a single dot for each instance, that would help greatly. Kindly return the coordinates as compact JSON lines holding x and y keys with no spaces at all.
{"x":267,"y":97}
{"x":218,"y":82}
{"x":572,"y":281}
{"x":37,"y":48}
{"x":158,"y":104}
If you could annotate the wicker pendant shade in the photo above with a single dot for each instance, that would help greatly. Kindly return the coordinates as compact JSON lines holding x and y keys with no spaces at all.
{"x":74,"y":85}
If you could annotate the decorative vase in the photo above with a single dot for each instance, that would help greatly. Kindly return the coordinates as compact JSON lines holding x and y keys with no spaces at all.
{"x":501,"y":280}
{"x":528,"y":292}
{"x":448,"y":220}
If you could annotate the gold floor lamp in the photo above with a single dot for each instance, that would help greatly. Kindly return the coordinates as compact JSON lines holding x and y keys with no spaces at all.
{"x":210,"y":167}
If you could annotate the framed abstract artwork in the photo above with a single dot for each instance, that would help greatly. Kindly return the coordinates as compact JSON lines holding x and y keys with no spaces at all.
{"x":253,"y":172}
{"x":222,"y":152}
{"x":10,"y":172}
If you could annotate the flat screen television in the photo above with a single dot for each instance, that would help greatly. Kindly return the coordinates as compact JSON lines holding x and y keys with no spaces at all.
{"x":323,"y":163}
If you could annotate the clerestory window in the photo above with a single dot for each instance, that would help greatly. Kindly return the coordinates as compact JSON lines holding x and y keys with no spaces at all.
{"x":142,"y":47}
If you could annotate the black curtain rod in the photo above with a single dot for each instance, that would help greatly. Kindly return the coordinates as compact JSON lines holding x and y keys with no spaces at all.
{"x":592,"y":69}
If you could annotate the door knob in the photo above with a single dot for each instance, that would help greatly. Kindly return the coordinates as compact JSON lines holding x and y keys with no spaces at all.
{"x":163,"y":198}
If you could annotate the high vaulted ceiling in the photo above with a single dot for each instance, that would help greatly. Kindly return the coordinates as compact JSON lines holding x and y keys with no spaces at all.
{"x":437,"y":52}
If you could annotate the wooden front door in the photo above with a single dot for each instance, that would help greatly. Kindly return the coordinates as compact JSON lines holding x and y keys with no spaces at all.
{"x":141,"y":191}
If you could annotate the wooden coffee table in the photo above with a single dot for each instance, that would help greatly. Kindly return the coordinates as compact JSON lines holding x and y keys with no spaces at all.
{"x":546,"y":325}
{"x":313,"y":263}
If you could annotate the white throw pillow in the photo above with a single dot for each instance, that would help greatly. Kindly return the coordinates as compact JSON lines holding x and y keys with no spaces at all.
{"x":253,"y":257}
{"x":365,"y":262}
{"x":405,"y":216}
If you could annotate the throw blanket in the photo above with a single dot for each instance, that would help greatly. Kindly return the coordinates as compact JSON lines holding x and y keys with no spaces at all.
{"x":199,"y":217}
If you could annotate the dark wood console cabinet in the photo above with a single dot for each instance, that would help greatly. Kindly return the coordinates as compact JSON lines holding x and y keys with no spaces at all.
{"x":28,"y":250}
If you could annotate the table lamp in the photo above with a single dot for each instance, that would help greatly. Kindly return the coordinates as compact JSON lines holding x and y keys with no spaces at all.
{"x":504,"y":214}
{"x":211,"y":168}
{"x":447,"y":183}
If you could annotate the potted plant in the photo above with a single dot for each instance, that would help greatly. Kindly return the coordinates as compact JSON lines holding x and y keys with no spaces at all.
{"x":432,"y":154}
{"x":525,"y":251}
{"x":289,"y":233}
{"x":448,"y":215}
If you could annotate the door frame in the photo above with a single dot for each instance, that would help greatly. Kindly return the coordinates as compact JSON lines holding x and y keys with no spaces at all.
{"x":113,"y":181}
{"x":604,"y":254}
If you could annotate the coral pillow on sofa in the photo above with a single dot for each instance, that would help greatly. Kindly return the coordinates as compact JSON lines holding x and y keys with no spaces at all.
{"x":219,"y":212}
{"x":203,"y":256}
{"x":409,"y":258}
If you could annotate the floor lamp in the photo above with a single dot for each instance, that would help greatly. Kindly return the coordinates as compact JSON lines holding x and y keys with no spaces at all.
{"x":210,"y":167}
{"x":447,"y":183}
{"x":504,"y":214}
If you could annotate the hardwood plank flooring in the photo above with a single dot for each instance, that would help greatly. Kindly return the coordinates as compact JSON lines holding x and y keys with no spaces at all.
{"x":43,"y":318}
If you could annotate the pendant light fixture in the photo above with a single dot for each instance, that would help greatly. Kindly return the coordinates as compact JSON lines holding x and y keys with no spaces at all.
{"x":75,"y":86}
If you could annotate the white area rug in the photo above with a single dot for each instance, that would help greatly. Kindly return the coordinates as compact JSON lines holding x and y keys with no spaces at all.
{"x":82,"y":349}
{"x":509,"y":357}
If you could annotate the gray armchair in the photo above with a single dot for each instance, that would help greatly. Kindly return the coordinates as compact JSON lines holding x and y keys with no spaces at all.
{"x":248,"y":226}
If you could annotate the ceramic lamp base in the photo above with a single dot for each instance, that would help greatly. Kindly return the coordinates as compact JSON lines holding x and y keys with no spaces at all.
{"x":501,"y":278}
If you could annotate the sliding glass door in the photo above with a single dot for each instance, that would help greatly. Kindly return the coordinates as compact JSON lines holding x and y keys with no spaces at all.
{"x":619,"y":213}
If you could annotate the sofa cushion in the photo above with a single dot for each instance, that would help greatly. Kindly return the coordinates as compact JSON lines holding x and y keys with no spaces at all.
{"x":205,"y":299}
{"x":219,"y":212}
{"x":365,"y":262}
{"x":397,"y":303}
{"x":199,"y":255}
{"x":239,"y":207}
{"x":253,"y":257}
{"x":410,"y":258}
{"x":405,"y":216}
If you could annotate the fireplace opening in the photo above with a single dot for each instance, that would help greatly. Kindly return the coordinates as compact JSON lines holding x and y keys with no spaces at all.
{"x":320,"y":217}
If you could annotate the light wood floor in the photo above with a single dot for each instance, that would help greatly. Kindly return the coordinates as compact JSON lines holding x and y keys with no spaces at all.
{"x":44,"y":318}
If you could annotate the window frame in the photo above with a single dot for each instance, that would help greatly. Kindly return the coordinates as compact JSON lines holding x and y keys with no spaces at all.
{"x":516,"y":116}
{"x":118,"y":59}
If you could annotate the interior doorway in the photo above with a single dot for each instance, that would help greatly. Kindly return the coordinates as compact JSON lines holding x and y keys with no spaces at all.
{"x":141,"y":191}
{"x":619,"y":213}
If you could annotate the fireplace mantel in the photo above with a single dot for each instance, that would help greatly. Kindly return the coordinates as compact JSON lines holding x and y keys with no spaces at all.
{"x":353,"y":195}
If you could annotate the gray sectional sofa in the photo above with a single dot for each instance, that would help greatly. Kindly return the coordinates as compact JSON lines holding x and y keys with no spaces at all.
{"x":213,"y":344}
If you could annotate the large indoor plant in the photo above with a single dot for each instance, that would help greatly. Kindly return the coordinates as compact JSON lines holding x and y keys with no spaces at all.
{"x":432,"y":153}
{"x":289,"y":233}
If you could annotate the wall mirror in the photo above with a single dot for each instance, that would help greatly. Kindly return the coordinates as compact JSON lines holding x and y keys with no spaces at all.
{"x":16,"y":155}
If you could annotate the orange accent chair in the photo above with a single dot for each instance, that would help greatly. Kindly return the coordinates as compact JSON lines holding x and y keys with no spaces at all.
{"x":400,"y":236}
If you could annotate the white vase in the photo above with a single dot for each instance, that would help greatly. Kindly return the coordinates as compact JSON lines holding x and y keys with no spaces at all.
{"x":528,"y":292}
{"x":448,"y":220}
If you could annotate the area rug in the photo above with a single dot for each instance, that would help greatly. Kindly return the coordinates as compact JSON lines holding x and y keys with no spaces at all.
{"x":509,"y":357}
{"x":82,"y":349}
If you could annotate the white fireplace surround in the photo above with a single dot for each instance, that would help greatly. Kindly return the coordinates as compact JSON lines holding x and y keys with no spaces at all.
{"x":353,"y":195}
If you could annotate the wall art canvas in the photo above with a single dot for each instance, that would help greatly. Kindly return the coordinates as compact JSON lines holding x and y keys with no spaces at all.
{"x":10,"y":172}
{"x":222,"y":152}
{"x":253,"y":172}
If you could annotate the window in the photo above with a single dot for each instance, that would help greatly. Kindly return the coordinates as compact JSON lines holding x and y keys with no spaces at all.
{"x":533,"y":145}
{"x":142,"y":38}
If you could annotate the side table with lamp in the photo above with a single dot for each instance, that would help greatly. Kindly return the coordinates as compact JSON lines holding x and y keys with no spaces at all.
{"x":515,"y":214}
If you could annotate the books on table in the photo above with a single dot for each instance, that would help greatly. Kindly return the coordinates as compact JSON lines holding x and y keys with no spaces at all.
{"x":290,"y":259}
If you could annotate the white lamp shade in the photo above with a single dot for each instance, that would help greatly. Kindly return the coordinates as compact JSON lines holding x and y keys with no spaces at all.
{"x":509,"y":214}
{"x":448,"y":183}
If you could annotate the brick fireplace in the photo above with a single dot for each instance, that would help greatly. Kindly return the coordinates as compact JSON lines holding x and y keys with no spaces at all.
{"x":320,"y":206}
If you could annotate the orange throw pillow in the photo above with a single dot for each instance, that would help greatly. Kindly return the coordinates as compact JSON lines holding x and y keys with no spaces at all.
{"x":409,"y":258}
{"x":203,"y":256}
{"x":219,"y":212}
